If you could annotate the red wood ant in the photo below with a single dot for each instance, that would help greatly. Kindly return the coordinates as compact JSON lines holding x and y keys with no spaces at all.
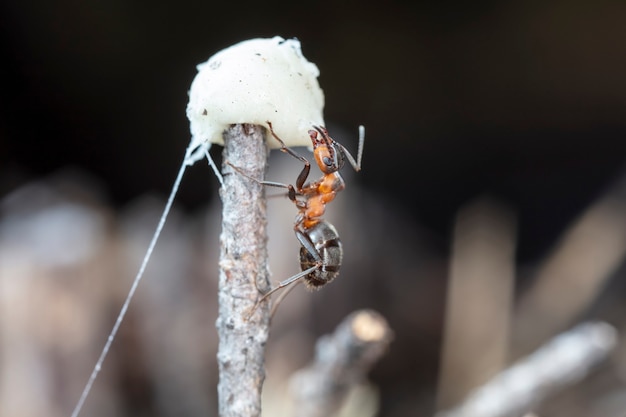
{"x":321,"y":252}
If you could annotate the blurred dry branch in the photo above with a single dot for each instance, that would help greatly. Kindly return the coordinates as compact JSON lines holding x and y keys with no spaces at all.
{"x":563,"y":361}
{"x":66,"y":260}
{"x":592,"y":249}
{"x":342,"y":361}
{"x":478,"y":317}
{"x":479,"y":300}
{"x":50,"y":276}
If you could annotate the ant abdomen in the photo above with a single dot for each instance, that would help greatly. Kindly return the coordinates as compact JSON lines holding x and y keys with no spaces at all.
{"x":325,"y":239}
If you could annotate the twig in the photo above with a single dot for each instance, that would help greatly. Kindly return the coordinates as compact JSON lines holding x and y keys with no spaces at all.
{"x":243,"y":269}
{"x":342,"y":360}
{"x":479,"y":300}
{"x":589,"y":253}
{"x":563,"y":361}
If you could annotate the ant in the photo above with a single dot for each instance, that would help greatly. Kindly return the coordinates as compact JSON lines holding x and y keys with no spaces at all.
{"x":330,"y":157}
{"x":321,"y":252}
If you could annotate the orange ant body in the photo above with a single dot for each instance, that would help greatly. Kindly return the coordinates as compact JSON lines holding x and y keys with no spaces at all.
{"x":321,"y":253}
{"x":330,"y":157}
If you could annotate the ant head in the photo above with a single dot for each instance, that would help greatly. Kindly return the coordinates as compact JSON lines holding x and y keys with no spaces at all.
{"x":328,"y":154}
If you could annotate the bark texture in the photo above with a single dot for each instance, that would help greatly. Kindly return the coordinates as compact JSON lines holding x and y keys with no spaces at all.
{"x":243,"y":270}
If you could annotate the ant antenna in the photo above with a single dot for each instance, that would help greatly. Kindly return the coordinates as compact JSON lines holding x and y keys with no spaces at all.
{"x":356,"y":164}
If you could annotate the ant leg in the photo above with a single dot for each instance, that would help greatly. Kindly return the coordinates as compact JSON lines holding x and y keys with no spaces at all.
{"x":291,"y":191}
{"x":306,"y":242}
{"x":283,"y":284}
{"x":281,"y":297}
{"x":304,"y":174}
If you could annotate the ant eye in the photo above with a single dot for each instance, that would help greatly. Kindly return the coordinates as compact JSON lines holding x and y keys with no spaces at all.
{"x":327,"y":161}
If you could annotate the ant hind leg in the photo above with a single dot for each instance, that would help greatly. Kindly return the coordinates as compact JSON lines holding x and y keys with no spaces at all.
{"x":281,"y":297}
{"x":294,"y":279}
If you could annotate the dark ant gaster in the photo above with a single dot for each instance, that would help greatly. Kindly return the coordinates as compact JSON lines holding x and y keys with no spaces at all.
{"x":321,"y":252}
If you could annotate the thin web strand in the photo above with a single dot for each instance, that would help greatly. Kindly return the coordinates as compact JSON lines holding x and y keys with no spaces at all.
{"x":197,"y":151}
{"x":131,"y":293}
{"x":216,"y":171}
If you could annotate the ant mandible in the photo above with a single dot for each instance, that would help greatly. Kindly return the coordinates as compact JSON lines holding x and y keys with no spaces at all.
{"x":321,"y":252}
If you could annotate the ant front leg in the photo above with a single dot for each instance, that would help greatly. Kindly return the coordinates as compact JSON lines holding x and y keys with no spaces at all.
{"x":304,"y":174}
{"x":291,"y":191}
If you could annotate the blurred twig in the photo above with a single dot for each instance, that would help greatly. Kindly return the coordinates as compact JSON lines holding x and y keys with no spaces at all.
{"x":587,"y":255}
{"x":478,"y":306}
{"x":342,"y":360}
{"x":561,"y":362}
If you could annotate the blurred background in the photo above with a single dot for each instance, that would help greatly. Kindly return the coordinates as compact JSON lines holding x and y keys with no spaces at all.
{"x":488,"y":217}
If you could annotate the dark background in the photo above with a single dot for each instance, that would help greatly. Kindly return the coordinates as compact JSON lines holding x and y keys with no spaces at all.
{"x":522,"y":101}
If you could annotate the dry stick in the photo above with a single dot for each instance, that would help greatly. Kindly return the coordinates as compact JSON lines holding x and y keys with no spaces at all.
{"x":592,"y":249}
{"x":243,"y":269}
{"x":342,"y":360}
{"x":479,"y":299}
{"x":563,"y":361}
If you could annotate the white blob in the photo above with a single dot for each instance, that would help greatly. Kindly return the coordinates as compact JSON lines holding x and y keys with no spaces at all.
{"x":255,"y":81}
